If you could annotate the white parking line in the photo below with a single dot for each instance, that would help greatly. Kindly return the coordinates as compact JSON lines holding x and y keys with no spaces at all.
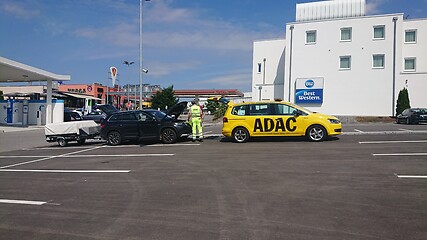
{"x":65,"y":171}
{"x":411,"y":176}
{"x":384,"y":132}
{"x":386,"y":142}
{"x":155,"y":145}
{"x":122,"y":155}
{"x":399,"y":154}
{"x":406,"y":130}
{"x":47,"y":158}
{"x":38,"y":156}
{"x":56,"y":148}
{"x":357,"y":130}
{"x":22,"y":202}
{"x":175,"y":144}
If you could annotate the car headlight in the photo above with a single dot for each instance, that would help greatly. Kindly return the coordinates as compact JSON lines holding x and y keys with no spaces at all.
{"x":334,"y":121}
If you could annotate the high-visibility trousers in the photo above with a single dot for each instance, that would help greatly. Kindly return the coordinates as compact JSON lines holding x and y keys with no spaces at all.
{"x":196,"y":123}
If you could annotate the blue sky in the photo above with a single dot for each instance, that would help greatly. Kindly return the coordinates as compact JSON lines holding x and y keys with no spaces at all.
{"x":191,"y":44}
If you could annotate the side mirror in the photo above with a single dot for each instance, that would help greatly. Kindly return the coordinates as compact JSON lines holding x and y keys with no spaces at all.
{"x":297,"y":113}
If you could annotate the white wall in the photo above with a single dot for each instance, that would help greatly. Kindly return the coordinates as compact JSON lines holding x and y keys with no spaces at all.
{"x":362,"y":90}
{"x":273,"y":51}
{"x":416,"y":81}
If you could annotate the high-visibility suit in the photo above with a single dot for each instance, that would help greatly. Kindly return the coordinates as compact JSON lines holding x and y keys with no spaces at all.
{"x":196,"y":120}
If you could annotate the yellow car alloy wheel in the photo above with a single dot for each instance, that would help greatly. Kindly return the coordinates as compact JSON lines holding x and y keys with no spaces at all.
{"x":240,"y":135}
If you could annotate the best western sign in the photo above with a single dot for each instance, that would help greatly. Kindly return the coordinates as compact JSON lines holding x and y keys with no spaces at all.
{"x":309,"y":91}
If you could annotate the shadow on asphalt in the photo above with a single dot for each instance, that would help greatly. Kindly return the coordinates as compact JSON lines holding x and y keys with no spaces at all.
{"x":278,"y":139}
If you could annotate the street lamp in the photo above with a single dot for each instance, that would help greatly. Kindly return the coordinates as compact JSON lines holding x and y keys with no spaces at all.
{"x":128,"y":63}
{"x":140,"y":52}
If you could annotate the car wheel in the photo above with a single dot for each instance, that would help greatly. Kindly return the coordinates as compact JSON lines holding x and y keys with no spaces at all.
{"x":114,"y":138}
{"x":316,"y":133}
{"x":81,"y":141}
{"x":240,"y":135}
{"x":169,"y":136}
{"x":62,"y":142}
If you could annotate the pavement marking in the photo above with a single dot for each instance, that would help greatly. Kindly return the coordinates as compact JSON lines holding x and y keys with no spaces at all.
{"x":156,"y":145}
{"x":48,"y":158}
{"x":357,"y":130}
{"x":122,"y":155}
{"x":65,"y":171}
{"x":399,"y":154}
{"x":22,"y":202}
{"x":25,"y":156}
{"x":385,"y":142}
{"x":55,"y":148}
{"x":176,"y":144}
{"x":411,"y":176}
{"x":406,"y":130}
{"x":384,"y":132}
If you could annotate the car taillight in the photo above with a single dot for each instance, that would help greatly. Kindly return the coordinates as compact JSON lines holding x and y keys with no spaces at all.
{"x":224,"y":119}
{"x":102,"y":124}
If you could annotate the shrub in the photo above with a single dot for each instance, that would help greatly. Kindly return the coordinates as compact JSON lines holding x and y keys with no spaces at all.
{"x":402,"y":101}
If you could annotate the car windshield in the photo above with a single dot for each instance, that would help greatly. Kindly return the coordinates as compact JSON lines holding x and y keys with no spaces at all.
{"x":301,"y":108}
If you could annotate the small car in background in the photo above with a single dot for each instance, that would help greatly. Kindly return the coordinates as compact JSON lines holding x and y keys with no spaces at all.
{"x":71,"y":116}
{"x":147,"y":124}
{"x":100,"y":112}
{"x":412,"y":116}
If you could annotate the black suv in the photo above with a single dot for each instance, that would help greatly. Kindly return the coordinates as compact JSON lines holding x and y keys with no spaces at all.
{"x":145,"y":124}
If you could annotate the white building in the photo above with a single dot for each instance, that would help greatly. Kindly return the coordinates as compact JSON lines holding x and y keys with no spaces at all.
{"x":339,"y":61}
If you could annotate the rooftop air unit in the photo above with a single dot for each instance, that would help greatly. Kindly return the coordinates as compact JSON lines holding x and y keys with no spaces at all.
{"x":330,"y":9}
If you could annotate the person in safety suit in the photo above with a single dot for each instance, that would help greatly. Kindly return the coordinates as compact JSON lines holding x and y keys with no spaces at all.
{"x":196,"y":115}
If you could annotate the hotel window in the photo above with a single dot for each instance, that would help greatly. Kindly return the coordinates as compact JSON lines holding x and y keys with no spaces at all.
{"x":310,"y":37}
{"x":410,"y":36}
{"x":379,"y":32}
{"x":259,"y":68}
{"x":346,"y":34}
{"x":409,"y":64}
{"x":345,"y":62}
{"x":378,"y":61}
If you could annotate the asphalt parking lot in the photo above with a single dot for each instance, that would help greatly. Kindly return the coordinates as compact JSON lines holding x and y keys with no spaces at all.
{"x":370,"y":183}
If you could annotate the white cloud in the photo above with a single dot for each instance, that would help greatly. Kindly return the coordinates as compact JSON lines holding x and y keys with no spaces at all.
{"x":231,"y":80}
{"x":373,"y":6}
{"x":159,"y":69}
{"x":120,"y":35}
{"x":18,"y":10}
{"x":171,"y":28}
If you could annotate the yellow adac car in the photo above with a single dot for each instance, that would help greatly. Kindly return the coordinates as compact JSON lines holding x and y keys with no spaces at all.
{"x":275,"y":118}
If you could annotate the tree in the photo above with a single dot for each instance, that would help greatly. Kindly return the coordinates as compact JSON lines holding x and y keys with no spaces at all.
{"x":402,"y":101}
{"x":164,"y":99}
{"x":212,"y":106}
{"x":220,"y":111}
{"x":216,"y":108}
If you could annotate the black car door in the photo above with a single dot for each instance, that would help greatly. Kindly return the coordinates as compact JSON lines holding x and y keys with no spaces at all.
{"x":148,"y":126}
{"x":128,"y":125}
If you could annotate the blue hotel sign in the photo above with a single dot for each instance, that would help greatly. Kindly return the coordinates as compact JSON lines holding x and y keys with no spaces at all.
{"x":309,"y":91}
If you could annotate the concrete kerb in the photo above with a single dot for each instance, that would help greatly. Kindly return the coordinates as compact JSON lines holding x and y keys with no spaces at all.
{"x":14,"y":128}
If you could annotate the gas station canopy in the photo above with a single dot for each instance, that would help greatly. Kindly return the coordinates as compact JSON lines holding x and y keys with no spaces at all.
{"x":11,"y":71}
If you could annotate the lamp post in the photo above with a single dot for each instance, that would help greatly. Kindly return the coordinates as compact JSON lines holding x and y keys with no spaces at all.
{"x":140,"y":52}
{"x":128,"y":63}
